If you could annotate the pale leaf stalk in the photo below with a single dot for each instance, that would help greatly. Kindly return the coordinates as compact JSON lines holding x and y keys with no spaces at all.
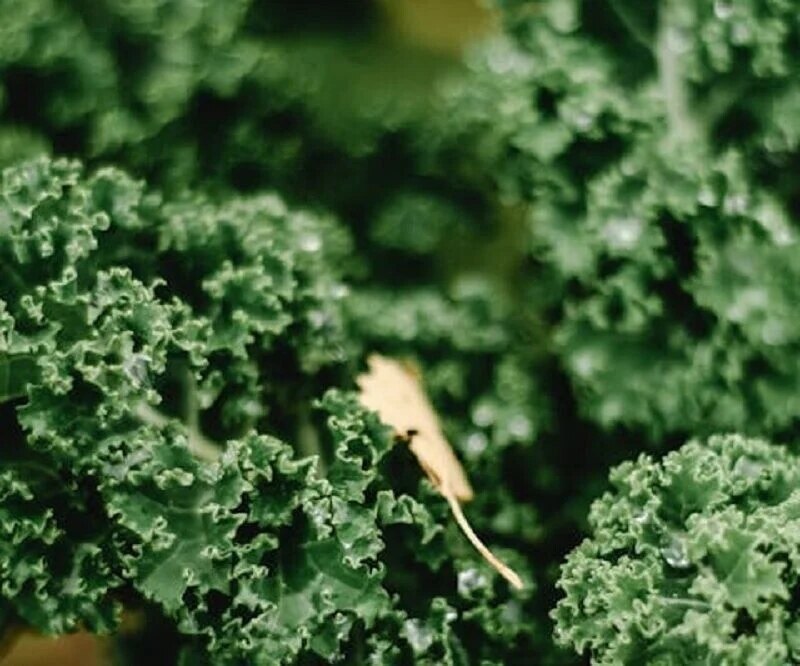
{"x":501,"y":567}
{"x":199,"y":444}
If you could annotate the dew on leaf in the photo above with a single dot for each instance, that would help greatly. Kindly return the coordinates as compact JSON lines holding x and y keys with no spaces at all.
{"x":674,"y":553}
{"x":483,"y":415}
{"x":339,"y":291}
{"x":583,"y":121}
{"x":419,"y":637}
{"x":475,"y":444}
{"x":520,"y":426}
{"x":584,"y":364}
{"x":748,"y":468}
{"x":736,"y":204}
{"x":318,"y":318}
{"x":622,"y":233}
{"x":723,"y":9}
{"x":310,"y":242}
{"x":136,"y":368}
{"x":470,"y":580}
{"x":707,"y":197}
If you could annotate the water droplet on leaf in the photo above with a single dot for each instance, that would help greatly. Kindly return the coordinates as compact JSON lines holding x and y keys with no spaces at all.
{"x":583,"y":121}
{"x":475,"y":444}
{"x":584,"y":364}
{"x":520,"y":427}
{"x":747,"y":468}
{"x":419,"y":637}
{"x":622,"y":233}
{"x":674,"y":553}
{"x":735,"y":204}
{"x":310,"y":242}
{"x":469,"y":581}
{"x":723,"y":9}
{"x":318,"y":318}
{"x":707,"y":197}
{"x":483,"y":415}
{"x":339,"y":291}
{"x":136,"y":368}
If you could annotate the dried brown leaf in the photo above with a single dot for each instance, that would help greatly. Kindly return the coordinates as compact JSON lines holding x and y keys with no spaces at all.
{"x":395,"y":392}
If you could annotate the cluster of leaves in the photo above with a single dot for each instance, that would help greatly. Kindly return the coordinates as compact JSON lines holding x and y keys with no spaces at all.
{"x":223,"y":94}
{"x":653,"y":142}
{"x":651,"y":147}
{"x":692,"y":560}
{"x":133,"y":330}
{"x":96,"y":77}
{"x":585,"y":244}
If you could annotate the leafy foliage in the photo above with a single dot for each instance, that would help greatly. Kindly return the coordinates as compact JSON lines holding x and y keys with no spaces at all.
{"x":142,"y":325}
{"x":242,"y":93}
{"x":647,"y":141}
{"x":691,"y":560}
{"x":585,"y":240}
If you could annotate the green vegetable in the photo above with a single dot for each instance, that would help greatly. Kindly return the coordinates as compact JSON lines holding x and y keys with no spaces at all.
{"x":690,"y":560}
{"x":584,"y":236}
{"x":150,"y":351}
{"x":653,"y":145}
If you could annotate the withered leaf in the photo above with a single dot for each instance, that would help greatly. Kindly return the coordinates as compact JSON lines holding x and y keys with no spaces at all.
{"x":394,"y":391}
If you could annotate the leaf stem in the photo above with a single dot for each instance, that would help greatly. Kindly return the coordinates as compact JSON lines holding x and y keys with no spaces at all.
{"x":308,"y":443}
{"x":681,"y":122}
{"x":503,"y":569}
{"x":199,"y":444}
{"x":632,"y":24}
{"x":681,"y":601}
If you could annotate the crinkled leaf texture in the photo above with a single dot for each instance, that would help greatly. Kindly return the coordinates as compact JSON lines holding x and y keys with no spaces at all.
{"x":649,"y":143}
{"x":127,"y":327}
{"x":693,"y":559}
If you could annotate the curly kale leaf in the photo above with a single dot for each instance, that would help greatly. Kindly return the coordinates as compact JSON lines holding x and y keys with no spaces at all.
{"x":690,"y":560}
{"x":140,"y":342}
{"x":650,"y":144}
{"x":690,"y":327}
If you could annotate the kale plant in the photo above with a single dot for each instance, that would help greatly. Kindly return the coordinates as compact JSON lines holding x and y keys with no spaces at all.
{"x":582,"y":238}
{"x":152,"y":352}
{"x":655,"y":145}
{"x":691,"y":560}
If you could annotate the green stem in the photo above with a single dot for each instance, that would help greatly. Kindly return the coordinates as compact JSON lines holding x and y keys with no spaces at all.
{"x":199,"y":444}
{"x":308,"y":443}
{"x":632,"y":24}
{"x":682,"y":124}
{"x":681,"y":601}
